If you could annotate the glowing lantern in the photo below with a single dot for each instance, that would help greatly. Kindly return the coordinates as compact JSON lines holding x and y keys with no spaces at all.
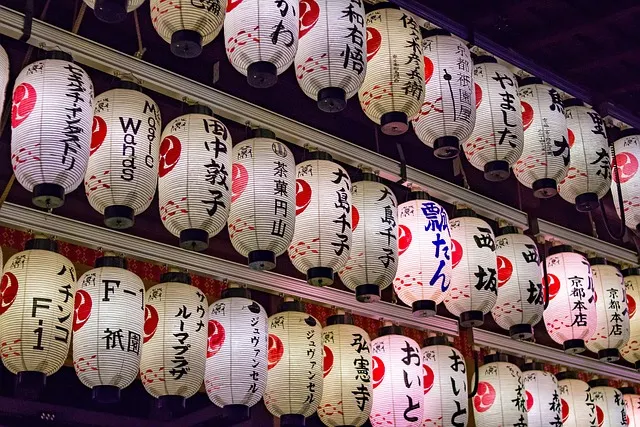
{"x":194,"y":177}
{"x":393,"y":88}
{"x":397,"y":375}
{"x":627,"y":148}
{"x":294,"y":382}
{"x":497,"y":140}
{"x":108,"y":326}
{"x":610,"y":407}
{"x":520,"y":302}
{"x":322,"y":239}
{"x":4,"y":76}
{"x":545,"y":162}
{"x":187,"y":25}
{"x":474,"y":278}
{"x":631,"y":351}
{"x":122,"y":172}
{"x":113,"y":11}
{"x":51,"y":117}
{"x":236,"y":370}
{"x":445,"y":384}
{"x":542,"y":397}
{"x":346,"y":394}
{"x":448,"y":113}
{"x":612,"y":330}
{"x":576,"y":401}
{"x":424,"y":245}
{"x":374,"y":252}
{"x":262,"y":215}
{"x":631,"y":406}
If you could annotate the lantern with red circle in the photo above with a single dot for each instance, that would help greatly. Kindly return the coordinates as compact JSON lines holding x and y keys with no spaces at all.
{"x":108,"y":326}
{"x":51,"y":116}
{"x":610,"y":407}
{"x":295,"y":362}
{"x":393,"y":88}
{"x":373,"y":261}
{"x":627,"y":149}
{"x":122,"y":173}
{"x":4,"y":76}
{"x":194,"y":177}
{"x":576,"y":401}
{"x":631,"y":351}
{"x":631,"y":406}
{"x":520,"y":302}
{"x":113,"y":11}
{"x":542,"y":396}
{"x":321,"y":242}
{"x":424,"y":245}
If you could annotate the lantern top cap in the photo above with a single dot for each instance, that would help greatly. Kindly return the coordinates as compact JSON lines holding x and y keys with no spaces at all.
{"x":554,"y":250}
{"x":200,"y":109}
{"x":111,"y":261}
{"x":175,"y":276}
{"x":435,"y":32}
{"x":531,"y":81}
{"x":573,"y":102}
{"x":41,"y":244}
{"x":599,"y":382}
{"x":532,"y":366}
{"x":496,"y":357}
{"x":263,"y":133}
{"x":384,"y":5}
{"x":291,"y":306}
{"x":597,"y":260}
{"x":236,"y":293}
{"x":508,"y":229}
{"x":627,"y":390}
{"x":566,"y":375}
{"x":320,"y":155}
{"x":464,"y":211}
{"x":370,"y":176}
{"x":58,"y":54}
{"x":485,"y":59}
{"x":419,"y":194}
{"x":389,"y":330}
{"x":436,"y":340}
{"x":629,"y":132}
{"x":128,"y":84}
{"x":339,"y":319}
{"x":632,"y":271}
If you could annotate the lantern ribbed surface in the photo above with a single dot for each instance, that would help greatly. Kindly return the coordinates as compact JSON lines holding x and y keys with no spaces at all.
{"x":4,"y":76}
{"x":424,"y":245}
{"x":577,"y":407}
{"x":263,"y":200}
{"x":610,"y":407}
{"x":108,"y":327}
{"x":501,"y":397}
{"x":631,"y":351}
{"x":323,"y":233}
{"x":632,"y":409}
{"x":542,"y":399}
{"x":123,"y":163}
{"x":51,"y":118}
{"x":374,"y":250}
{"x":194,"y":175}
{"x":520,"y":302}
{"x":347,"y":391}
{"x":627,"y":157}
{"x":202,"y":17}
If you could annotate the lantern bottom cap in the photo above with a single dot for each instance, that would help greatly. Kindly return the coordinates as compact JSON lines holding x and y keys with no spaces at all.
{"x":394,"y":123}
{"x":105,"y":394}
{"x":320,"y":276}
{"x":170,"y":405}
{"x":292,"y":420}
{"x":236,"y":413}
{"x":424,"y":308}
{"x":194,"y":239}
{"x":609,"y":355}
{"x":637,"y":365}
{"x":368,"y":293}
{"x":389,"y":330}
{"x":545,"y":188}
{"x":522,"y":331}
{"x":446,"y":147}
{"x":473,"y":318}
{"x":186,"y":44}
{"x":574,"y":346}
{"x":262,"y":260}
{"x":119,"y":217}
{"x":496,"y":170}
{"x":332,"y":99}
{"x":30,"y":384}
{"x":48,"y":196}
{"x":110,"y":11}
{"x":262,"y":75}
{"x":587,"y":202}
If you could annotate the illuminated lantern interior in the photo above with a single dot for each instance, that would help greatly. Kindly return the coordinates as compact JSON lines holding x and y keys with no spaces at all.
{"x":631,"y":406}
{"x":577,"y":409}
{"x":627,"y":148}
{"x":542,"y":396}
{"x":4,"y":76}
{"x":631,"y":351}
{"x":610,"y":405}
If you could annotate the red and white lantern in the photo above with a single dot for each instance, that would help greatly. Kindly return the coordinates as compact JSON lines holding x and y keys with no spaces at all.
{"x":4,"y":76}
{"x":631,"y":351}
{"x":542,"y":396}
{"x":576,"y":401}
{"x":113,"y":11}
{"x":610,"y":406}
{"x":627,"y":148}
{"x":631,"y":406}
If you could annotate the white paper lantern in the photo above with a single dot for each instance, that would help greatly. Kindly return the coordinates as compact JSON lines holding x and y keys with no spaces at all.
{"x":542,"y":396}
{"x":236,"y":370}
{"x":589,"y":176}
{"x":108,"y":326}
{"x":497,"y":140}
{"x":545,"y":158}
{"x":113,"y":11}
{"x":322,"y":240}
{"x":4,"y":76}
{"x":263,"y":201}
{"x":393,"y":89}
{"x":627,"y":148}
{"x":294,"y":382}
{"x":448,"y":113}
{"x":174,"y":348}
{"x":571,"y":316}
{"x":424,"y":245}
{"x":194,"y":177}
{"x":397,"y":374}
{"x":520,"y":302}
{"x":188,"y":24}
{"x":122,"y":172}
{"x":577,"y":405}
{"x":331,"y":61}
{"x":347,"y":390}
{"x":631,"y":351}
{"x":501,"y":394}
{"x":610,"y":407}
{"x":631,"y":406}
{"x":612,"y":330}
{"x":445,"y":385}
{"x":474,"y":278}
{"x":261,"y":37}
{"x":51,"y":117}
{"x":373,"y":261}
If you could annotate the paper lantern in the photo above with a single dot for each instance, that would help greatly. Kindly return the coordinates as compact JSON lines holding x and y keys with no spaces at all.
{"x":631,"y":351}
{"x":610,"y":408}
{"x":113,"y":11}
{"x":373,"y":261}
{"x":393,"y":88}
{"x":545,"y":158}
{"x":294,"y":382}
{"x":322,"y":239}
{"x":501,"y":394}
{"x":542,"y":396}
{"x":236,"y":370}
{"x":631,"y":406}
{"x":520,"y":302}
{"x":397,"y":374}
{"x":445,"y":384}
{"x":627,"y":148}
{"x":347,"y":390}
{"x":188,"y":25}
{"x":4,"y":76}
{"x":497,"y":140}
{"x":331,"y":61}
{"x":36,"y":313}
{"x":612,"y":330}
{"x":262,"y":215}
{"x":474,"y":277}
{"x":174,"y":348}
{"x":424,"y":245}
{"x":51,"y":128}
{"x":577,"y":406}
{"x":261,"y":37}
{"x":194,"y":182}
{"x":108,"y":326}
{"x":447,"y":115}
{"x":122,"y":172}
{"x":571,"y":316}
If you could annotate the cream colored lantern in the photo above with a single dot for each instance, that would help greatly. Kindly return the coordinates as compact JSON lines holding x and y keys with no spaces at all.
{"x":631,"y":351}
{"x":610,"y":406}
{"x":627,"y":148}
{"x":631,"y":406}
{"x":542,"y":396}
{"x":576,"y":400}
{"x":113,"y":11}
{"x":4,"y":76}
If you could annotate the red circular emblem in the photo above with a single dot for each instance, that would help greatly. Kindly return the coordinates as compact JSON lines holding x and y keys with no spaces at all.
{"x":599,"y":416}
{"x":170,"y":149}
{"x":8,"y":291}
{"x":404,"y":239}
{"x":327,"y":361}
{"x":377,"y":373}
{"x":309,"y":14}
{"x":485,"y":397}
{"x":428,"y":69}
{"x":631,"y":304}
{"x":81,"y":309}
{"x":239,"y":180}
{"x":355,"y":217}
{"x":529,"y":400}
{"x":572,"y":138}
{"x":505,"y":270}
{"x":565,"y":410}
{"x":231,"y":4}
{"x":428,"y":378}
{"x":151,"y":320}
{"x":275,"y":351}
{"x":478,"y":95}
{"x":527,"y":115}
{"x":554,"y":286}
{"x":374,"y":41}
{"x":98,"y":133}
{"x":23,"y":103}
{"x":627,"y":167}
{"x":216,"y":337}
{"x":303,"y":195}
{"x":456,"y":253}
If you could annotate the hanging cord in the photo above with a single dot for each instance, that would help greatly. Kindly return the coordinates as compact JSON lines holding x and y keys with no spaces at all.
{"x":544,"y":272}
{"x":141,"y":48}
{"x":594,"y":231}
{"x":79,"y":17}
{"x":476,"y":375}
{"x":623,"y":228}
